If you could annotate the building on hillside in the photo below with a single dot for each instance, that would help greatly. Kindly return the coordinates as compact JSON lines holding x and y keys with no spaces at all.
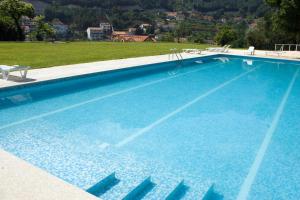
{"x":207,"y":18}
{"x":103,"y":32}
{"x":145,"y":26}
{"x":28,"y":25}
{"x":131,"y":38}
{"x":106,"y":28}
{"x":131,"y":31}
{"x":61,"y":29}
{"x":94,"y":33}
{"x":119,"y":33}
{"x":179,"y":16}
{"x":171,"y":15}
{"x":116,"y":34}
{"x":26,"y":21}
{"x":26,"y":29}
{"x":223,"y":20}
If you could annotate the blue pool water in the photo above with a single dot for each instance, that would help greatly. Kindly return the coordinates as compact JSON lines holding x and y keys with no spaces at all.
{"x":209,"y":128}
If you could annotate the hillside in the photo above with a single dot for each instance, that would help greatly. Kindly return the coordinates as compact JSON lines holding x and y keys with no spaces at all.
{"x":125,"y":13}
{"x":194,"y":20}
{"x":39,"y":6}
{"x":244,"y":7}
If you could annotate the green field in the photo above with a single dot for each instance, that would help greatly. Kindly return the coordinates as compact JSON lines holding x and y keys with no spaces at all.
{"x":41,"y":54}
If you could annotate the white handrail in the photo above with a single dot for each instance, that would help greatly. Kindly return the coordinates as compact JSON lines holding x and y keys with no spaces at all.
{"x":297,"y":47}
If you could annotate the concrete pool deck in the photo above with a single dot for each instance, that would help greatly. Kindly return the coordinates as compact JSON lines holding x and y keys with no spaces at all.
{"x":21,"y":180}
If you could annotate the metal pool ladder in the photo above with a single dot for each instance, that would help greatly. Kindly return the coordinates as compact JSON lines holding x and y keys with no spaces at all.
{"x":175,"y":54}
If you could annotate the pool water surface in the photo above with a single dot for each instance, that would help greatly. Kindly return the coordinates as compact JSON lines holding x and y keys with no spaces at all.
{"x":217,"y":127}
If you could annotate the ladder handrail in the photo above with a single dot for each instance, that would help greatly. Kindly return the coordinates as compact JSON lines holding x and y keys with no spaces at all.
{"x":297,"y":46}
{"x":175,"y":52}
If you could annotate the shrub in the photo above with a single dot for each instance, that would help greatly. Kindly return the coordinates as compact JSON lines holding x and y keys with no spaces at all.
{"x":225,"y":36}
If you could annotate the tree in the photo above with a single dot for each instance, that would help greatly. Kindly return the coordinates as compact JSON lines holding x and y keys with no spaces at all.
{"x":256,"y":37}
{"x":225,"y":36}
{"x":262,"y":35}
{"x":7,"y":29}
{"x":15,"y":9}
{"x":286,"y":17}
{"x":167,"y":37}
{"x":197,"y":38}
{"x":43,"y":30}
{"x":183,"y":29}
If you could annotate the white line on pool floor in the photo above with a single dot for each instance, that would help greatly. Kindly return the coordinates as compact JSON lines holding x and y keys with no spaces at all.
{"x":101,"y":98}
{"x":245,"y":189}
{"x":166,"y":117}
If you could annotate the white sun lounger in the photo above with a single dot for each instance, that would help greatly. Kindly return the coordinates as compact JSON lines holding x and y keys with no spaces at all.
{"x":226,"y":50}
{"x":5,"y":70}
{"x":278,"y":53}
{"x":250,"y":51}
{"x":223,"y":49}
{"x":215,"y":48}
{"x":192,"y":51}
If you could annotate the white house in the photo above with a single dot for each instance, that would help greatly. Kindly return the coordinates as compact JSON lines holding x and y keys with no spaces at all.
{"x":106,"y":27}
{"x":102,"y":32}
{"x":94,"y":33}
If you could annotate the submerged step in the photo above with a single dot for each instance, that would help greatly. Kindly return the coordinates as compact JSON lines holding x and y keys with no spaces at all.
{"x":104,"y":185}
{"x":178,"y":192}
{"x":129,"y":182}
{"x":167,"y":186}
{"x":209,"y":193}
{"x":141,"y":190}
{"x":203,"y":191}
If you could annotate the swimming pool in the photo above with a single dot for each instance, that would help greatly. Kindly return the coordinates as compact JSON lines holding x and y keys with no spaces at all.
{"x":213,"y":127}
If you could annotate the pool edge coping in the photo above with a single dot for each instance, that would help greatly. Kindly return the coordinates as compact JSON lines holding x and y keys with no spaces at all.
{"x":22,"y":180}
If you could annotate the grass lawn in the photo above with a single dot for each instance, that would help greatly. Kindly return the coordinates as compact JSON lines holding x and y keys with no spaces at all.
{"x":41,"y":54}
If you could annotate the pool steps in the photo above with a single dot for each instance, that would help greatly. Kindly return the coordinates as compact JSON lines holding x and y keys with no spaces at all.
{"x":111,"y":187}
{"x":141,"y":190}
{"x":126,"y":187}
{"x":167,"y":189}
{"x":204,"y":192}
{"x":208,"y":195}
{"x":178,"y":192}
{"x":104,"y":185}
